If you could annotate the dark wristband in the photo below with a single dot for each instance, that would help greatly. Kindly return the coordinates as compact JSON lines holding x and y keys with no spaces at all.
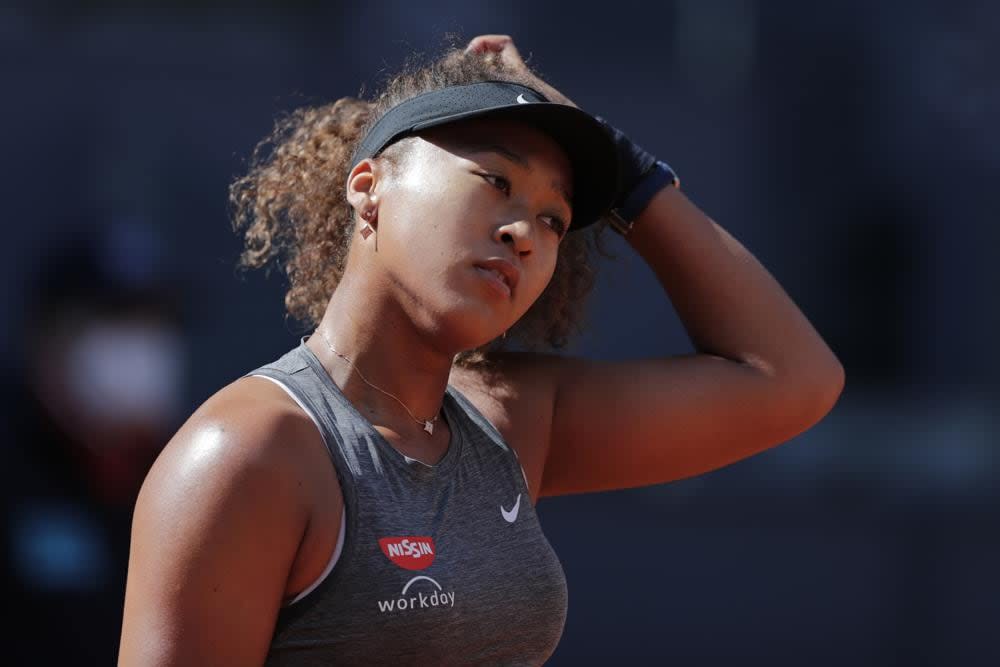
{"x":658,"y":177}
{"x":641,"y":176}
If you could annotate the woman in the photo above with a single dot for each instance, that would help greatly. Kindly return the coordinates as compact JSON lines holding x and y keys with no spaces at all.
{"x":416,"y":232}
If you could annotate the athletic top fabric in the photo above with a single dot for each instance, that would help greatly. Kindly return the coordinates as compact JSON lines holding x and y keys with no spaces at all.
{"x":444,"y":564}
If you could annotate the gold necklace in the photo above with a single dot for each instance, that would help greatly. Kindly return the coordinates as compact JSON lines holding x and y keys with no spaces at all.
{"x":428,"y":424}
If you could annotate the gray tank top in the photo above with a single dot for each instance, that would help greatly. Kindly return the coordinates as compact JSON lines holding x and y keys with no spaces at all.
{"x":440,"y":565}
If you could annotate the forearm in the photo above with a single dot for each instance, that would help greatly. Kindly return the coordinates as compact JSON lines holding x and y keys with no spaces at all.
{"x":729,"y":303}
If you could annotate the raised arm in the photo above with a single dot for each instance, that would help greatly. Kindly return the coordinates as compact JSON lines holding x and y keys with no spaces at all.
{"x":215,"y":532}
{"x":762,"y":373}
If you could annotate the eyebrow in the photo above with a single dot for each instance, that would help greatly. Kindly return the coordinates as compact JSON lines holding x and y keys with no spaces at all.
{"x":519,"y":159}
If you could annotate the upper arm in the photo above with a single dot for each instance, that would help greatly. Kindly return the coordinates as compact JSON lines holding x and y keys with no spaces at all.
{"x":216,"y":528}
{"x":628,"y":424}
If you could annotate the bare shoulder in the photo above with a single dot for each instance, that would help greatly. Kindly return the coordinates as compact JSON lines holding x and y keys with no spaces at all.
{"x":217,"y":528}
{"x":244,"y":433}
{"x":517,"y":394}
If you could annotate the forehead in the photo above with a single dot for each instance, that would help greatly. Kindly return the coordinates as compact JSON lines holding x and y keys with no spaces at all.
{"x":538,"y":148}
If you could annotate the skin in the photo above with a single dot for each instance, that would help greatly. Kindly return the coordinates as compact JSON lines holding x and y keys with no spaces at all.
{"x":242,"y":509}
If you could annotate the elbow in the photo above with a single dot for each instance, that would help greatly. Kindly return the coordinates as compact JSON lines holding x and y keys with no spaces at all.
{"x":803,"y":392}
{"x":831,"y":387}
{"x":815,"y":388}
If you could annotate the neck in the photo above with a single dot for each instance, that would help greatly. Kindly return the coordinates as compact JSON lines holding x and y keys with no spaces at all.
{"x":385,"y":348}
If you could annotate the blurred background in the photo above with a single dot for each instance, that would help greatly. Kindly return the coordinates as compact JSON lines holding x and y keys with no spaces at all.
{"x":852,"y":146}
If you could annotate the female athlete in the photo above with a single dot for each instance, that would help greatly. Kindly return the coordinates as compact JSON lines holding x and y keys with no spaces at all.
{"x":369,"y":496}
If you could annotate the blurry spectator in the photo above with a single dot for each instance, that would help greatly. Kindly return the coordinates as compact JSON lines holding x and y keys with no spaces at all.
{"x":89,"y":410}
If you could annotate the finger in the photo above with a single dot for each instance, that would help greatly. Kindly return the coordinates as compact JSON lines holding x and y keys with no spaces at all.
{"x":498,"y":44}
{"x":484,"y":43}
{"x":512,"y":57}
{"x":488,"y":43}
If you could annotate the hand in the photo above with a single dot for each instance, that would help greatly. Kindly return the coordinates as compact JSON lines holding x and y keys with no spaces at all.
{"x":503,"y":46}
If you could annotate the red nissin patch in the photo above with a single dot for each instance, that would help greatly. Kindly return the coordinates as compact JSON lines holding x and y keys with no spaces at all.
{"x":410,"y":553}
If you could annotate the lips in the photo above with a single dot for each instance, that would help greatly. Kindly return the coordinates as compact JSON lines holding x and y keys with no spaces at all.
{"x":501,"y":274}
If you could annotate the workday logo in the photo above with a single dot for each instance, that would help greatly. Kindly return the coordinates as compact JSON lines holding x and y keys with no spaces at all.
{"x":410,"y":553}
{"x":425,"y":594}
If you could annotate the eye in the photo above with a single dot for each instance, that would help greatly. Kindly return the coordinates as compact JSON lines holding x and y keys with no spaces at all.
{"x":557,"y":224}
{"x":553,"y":222}
{"x":499,"y":182}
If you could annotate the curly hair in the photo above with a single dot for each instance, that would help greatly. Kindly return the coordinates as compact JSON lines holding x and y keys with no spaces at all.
{"x":291,"y":207}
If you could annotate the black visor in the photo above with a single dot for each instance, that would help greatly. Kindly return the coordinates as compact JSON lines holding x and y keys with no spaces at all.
{"x":587,"y":144}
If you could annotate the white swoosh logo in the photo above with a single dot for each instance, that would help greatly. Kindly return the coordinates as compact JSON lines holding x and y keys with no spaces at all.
{"x":511,"y":516}
{"x":521,"y":100}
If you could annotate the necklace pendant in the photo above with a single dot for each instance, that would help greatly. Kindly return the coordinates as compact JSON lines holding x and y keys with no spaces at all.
{"x":429,"y":427}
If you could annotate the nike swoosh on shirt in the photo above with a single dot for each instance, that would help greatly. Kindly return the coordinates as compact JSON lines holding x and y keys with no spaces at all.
{"x":511,"y":516}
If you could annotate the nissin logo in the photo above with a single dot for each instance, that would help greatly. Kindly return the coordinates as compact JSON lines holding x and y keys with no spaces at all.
{"x":410,"y":553}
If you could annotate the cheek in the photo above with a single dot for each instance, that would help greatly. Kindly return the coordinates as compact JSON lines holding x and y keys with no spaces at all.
{"x":535,"y":281}
{"x":428,"y":236}
{"x":431,"y":207}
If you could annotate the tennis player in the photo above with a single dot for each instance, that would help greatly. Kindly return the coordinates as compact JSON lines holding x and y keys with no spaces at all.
{"x":368,"y":497}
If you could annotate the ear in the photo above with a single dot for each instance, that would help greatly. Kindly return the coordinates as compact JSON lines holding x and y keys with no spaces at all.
{"x":361,"y":186}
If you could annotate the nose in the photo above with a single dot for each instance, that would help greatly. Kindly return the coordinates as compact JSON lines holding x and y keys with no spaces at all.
{"x":518,"y":235}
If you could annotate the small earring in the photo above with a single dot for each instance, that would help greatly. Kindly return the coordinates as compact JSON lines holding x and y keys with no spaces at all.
{"x":367,"y":229}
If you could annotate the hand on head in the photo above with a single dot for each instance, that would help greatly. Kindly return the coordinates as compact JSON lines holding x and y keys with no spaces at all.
{"x":503,"y":46}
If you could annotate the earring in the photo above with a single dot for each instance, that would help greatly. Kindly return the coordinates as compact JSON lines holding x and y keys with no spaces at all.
{"x":367,"y":229}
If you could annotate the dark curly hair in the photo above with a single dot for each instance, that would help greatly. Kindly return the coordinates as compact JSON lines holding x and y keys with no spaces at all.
{"x":291,"y":207}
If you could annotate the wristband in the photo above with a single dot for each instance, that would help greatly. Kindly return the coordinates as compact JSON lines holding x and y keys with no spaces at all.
{"x":659,"y":176}
{"x":641,"y":176}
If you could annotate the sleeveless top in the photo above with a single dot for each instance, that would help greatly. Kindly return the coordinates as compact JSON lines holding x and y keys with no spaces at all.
{"x":439,"y":565}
